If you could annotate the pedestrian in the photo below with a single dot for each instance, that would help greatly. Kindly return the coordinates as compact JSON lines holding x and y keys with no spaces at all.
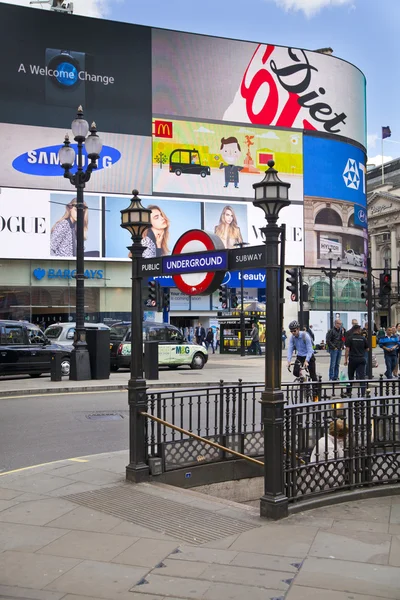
{"x":332,"y":446}
{"x":217,"y":338}
{"x":349,"y":333}
{"x":335,"y":343}
{"x":200,"y":334}
{"x":390,"y":346}
{"x":284,"y":336}
{"x":255,"y":340}
{"x":311,"y":333}
{"x":301,"y":342}
{"x":210,"y":339}
{"x":364,"y":331}
{"x":356,"y":347}
{"x":381,"y":333}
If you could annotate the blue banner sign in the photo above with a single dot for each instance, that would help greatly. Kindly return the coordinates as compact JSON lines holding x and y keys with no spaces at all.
{"x":334,"y":169}
{"x":360,"y":216}
{"x":198,"y":262}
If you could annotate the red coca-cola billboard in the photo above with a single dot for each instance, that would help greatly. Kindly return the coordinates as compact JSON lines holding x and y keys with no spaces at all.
{"x":214,"y":78}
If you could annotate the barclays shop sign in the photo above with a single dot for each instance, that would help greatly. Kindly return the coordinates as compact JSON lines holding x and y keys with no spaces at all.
{"x":45,"y":161}
{"x":40,"y":273}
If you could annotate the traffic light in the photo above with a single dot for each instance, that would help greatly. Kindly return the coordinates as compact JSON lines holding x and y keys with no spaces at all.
{"x":364,"y":291}
{"x":234,"y":299}
{"x":293,"y":281}
{"x":152,"y":294}
{"x":305,"y":292}
{"x":165,"y":299}
{"x":385,"y":280}
{"x":223,"y":296}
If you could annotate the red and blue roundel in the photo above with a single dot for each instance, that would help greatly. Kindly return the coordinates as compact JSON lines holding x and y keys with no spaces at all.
{"x":198,"y":284}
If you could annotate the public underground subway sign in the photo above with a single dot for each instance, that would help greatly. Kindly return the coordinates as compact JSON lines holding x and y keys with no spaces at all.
{"x":184,"y":263}
{"x":45,"y":161}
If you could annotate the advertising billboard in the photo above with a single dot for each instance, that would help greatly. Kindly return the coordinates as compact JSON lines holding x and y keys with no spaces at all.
{"x":42,"y":224}
{"x":335,"y":216}
{"x":206,"y":78}
{"x":29,"y":159}
{"x":217,"y":159}
{"x":50,"y":66}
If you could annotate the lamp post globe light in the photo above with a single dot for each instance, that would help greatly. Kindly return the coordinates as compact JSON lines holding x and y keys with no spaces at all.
{"x":271,"y":195}
{"x":136,"y":219}
{"x":80,"y":363}
{"x":331,"y":273}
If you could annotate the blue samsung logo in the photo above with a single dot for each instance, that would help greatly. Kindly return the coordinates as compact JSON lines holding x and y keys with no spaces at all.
{"x":45,"y":161}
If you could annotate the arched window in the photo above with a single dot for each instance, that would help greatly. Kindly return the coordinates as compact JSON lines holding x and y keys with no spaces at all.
{"x":319,"y":290}
{"x":328,"y":216}
{"x":350,"y":291}
{"x":350,"y":222}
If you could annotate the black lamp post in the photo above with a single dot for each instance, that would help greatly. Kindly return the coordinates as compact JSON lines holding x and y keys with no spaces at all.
{"x":136,"y":219}
{"x":271,"y":194}
{"x":80,"y":364}
{"x":331,"y":273}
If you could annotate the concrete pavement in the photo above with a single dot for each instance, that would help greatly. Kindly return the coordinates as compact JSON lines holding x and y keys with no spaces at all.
{"x":74,"y":530}
{"x":251,"y":369}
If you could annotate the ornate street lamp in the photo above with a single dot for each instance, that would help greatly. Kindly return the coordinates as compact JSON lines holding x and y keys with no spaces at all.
{"x":136,"y":219}
{"x":80,"y":363}
{"x":272,"y":194}
{"x":331,"y":273}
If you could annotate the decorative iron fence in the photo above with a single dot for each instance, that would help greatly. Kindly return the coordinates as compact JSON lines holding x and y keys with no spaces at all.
{"x":231,"y":416}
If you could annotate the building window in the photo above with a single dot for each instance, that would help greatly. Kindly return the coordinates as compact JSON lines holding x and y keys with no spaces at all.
{"x":328,"y":216}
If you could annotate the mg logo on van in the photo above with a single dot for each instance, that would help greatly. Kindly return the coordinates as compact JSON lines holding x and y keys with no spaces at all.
{"x":45,"y":161}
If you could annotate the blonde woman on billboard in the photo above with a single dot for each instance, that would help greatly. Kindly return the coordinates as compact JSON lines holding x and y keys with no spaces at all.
{"x":227,"y":229}
{"x":63,"y":232}
{"x":155,"y":238}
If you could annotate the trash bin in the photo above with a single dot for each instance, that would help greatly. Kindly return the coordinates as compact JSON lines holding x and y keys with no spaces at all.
{"x":98,"y":342}
{"x":374,"y":341}
{"x":55,"y":367}
{"x":151,"y":360}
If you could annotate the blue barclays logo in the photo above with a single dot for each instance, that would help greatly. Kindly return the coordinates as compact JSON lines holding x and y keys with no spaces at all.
{"x":45,"y":161}
{"x":39,"y":273}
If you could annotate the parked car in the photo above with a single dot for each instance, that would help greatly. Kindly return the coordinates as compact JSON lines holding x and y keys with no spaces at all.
{"x":353,"y":258}
{"x":25,"y":350}
{"x":63,"y":333}
{"x":173,"y":349}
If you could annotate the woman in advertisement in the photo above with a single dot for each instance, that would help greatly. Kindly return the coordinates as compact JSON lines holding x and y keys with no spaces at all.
{"x":63,"y":232}
{"x":155,"y":239}
{"x":227,"y":229}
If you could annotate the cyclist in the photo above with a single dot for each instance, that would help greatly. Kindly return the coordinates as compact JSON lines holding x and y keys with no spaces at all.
{"x":301,"y":342}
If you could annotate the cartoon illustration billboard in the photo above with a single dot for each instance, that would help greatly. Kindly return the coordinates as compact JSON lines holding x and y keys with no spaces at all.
{"x":212,"y":159}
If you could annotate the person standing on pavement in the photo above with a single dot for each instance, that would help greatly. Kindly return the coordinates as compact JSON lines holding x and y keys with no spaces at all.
{"x":284,"y":336}
{"x":335,"y":343}
{"x":255,"y":347}
{"x":210,"y":339}
{"x":349,"y":333}
{"x":217,"y":340}
{"x":301,"y":342}
{"x":390,"y":345}
{"x":356,"y":348}
{"x":200,"y":334}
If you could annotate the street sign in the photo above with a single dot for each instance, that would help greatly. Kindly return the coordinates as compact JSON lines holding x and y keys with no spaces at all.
{"x":199,"y":274}
{"x":247,"y":258}
{"x":150,"y":267}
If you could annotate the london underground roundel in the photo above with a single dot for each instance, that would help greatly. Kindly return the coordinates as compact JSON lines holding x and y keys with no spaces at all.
{"x":204,"y":283}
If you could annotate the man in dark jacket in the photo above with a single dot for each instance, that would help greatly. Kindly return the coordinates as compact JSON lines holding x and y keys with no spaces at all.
{"x":356,"y":347}
{"x":335,"y":344}
{"x":200,"y":334}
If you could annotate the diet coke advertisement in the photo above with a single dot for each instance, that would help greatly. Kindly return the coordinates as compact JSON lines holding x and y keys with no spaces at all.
{"x":260,"y":84}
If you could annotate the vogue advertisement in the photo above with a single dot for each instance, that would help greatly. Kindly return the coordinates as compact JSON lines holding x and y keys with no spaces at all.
{"x":63,"y":215}
{"x":262,"y":84}
{"x":212,"y":159}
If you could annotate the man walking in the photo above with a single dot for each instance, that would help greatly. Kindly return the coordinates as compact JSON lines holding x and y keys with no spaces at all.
{"x":335,"y":343}
{"x":390,"y":346}
{"x":301,"y":342}
{"x":200,"y":334}
{"x":255,"y":340}
{"x":356,"y":348}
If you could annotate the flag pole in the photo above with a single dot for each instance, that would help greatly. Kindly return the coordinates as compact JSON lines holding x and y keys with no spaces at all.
{"x":383,"y":169}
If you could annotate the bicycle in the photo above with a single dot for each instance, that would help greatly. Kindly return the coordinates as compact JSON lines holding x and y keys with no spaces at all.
{"x":303,"y":377}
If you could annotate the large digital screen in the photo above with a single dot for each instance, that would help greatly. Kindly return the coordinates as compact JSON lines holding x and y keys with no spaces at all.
{"x":206,"y":78}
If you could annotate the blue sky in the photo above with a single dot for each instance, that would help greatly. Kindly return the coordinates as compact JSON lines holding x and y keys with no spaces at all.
{"x":364,"y":32}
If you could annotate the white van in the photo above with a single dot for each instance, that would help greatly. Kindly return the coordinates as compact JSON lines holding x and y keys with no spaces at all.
{"x":63,"y":333}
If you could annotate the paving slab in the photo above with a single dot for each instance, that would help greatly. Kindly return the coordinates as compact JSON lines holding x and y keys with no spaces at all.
{"x":360,"y":546}
{"x":98,"y":580}
{"x":6,"y":494}
{"x":255,"y":577}
{"x":226,"y":591}
{"x":347,"y":525}
{"x":35,"y":482}
{"x":88,"y":545}
{"x":38,"y":512}
{"x":277,"y":540}
{"x":380,"y":581}
{"x":263,"y":561}
{"x":27,"y":538}
{"x":395,"y":514}
{"x":86,"y":519}
{"x":298,"y":592}
{"x":394,"y":558}
{"x":145,"y":552}
{"x":205,"y":555}
{"x":31,"y":570}
{"x":10,"y":592}
{"x":138,"y":531}
{"x":174,"y":586}
{"x":180,"y":568}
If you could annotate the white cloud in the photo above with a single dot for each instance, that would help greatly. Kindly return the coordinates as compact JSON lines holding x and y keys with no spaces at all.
{"x":311,"y":7}
{"x":271,"y":135}
{"x":377,"y":160}
{"x":203,"y":130}
{"x":86,"y":8}
{"x":372,"y":138}
{"x":244,"y":130}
